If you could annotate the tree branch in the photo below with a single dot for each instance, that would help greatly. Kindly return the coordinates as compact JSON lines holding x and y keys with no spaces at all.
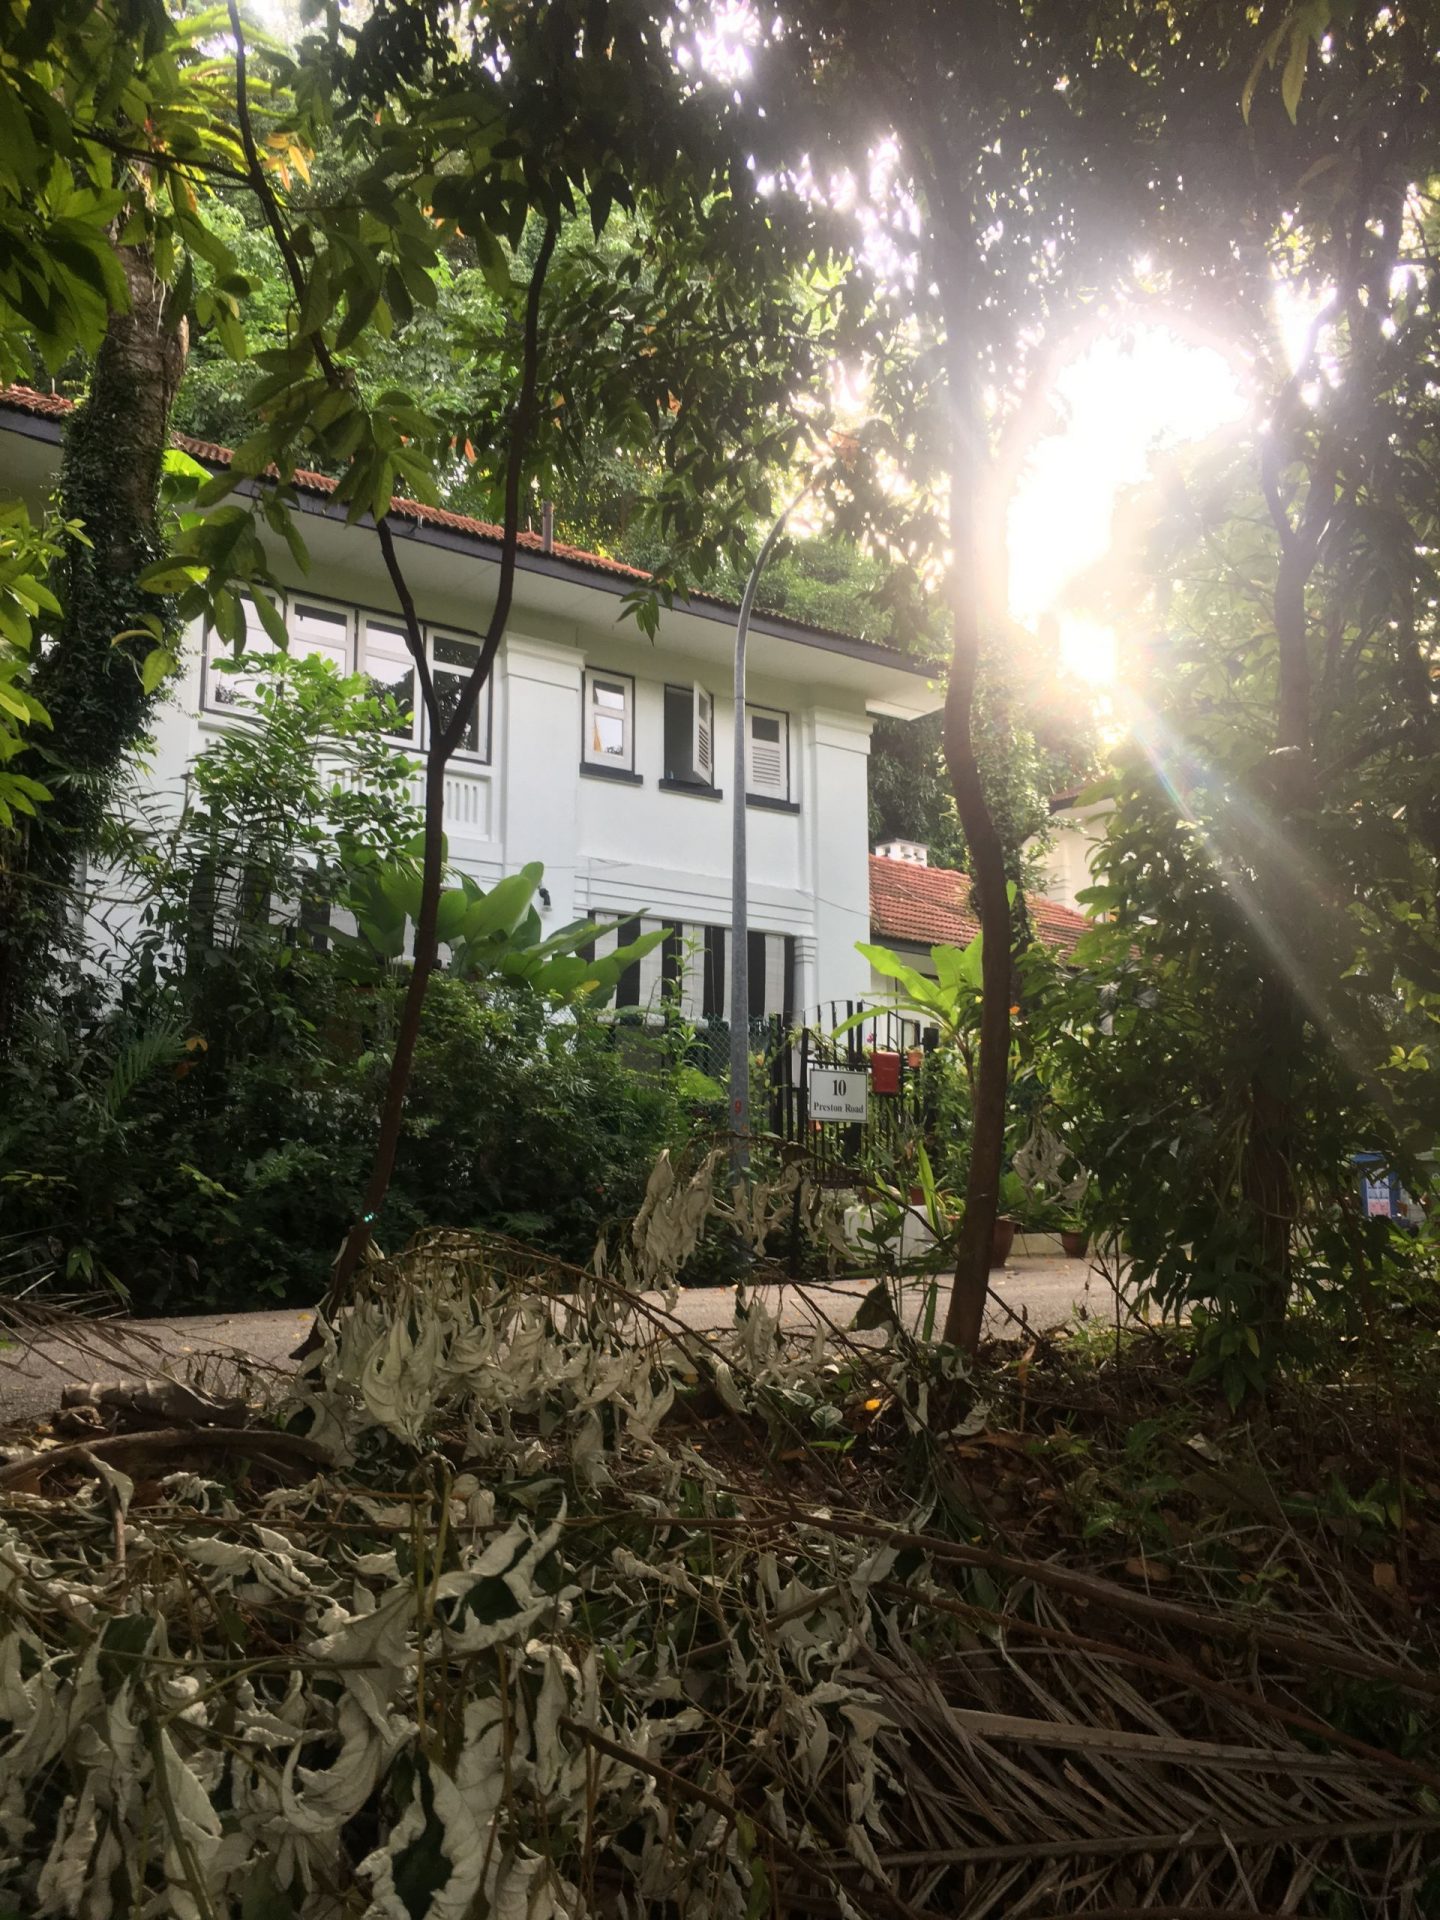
{"x":514,"y":471}
{"x":336,"y":376}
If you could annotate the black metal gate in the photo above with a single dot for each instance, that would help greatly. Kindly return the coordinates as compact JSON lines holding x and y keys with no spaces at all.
{"x":890,"y":1049}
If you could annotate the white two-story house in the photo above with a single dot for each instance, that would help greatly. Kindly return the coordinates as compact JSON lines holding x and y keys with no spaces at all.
{"x":603,"y":755}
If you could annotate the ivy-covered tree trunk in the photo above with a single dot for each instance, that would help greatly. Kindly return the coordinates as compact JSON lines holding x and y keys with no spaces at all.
{"x":91,"y":686}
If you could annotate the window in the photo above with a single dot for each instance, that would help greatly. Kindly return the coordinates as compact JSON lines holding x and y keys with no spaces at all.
{"x":690,"y":736}
{"x":322,"y":631}
{"x":609,"y":741}
{"x":336,"y":634}
{"x":391,"y":671}
{"x":452,"y":660}
{"x":756,"y":957}
{"x":627,"y":988}
{"x":223,"y":686}
{"x":767,"y":754}
{"x":386,"y":659}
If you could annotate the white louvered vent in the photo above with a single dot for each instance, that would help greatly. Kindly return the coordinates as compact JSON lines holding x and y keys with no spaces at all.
{"x":768,"y":772}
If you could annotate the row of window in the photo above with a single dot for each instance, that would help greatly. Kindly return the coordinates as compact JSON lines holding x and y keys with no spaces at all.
{"x":367,"y":643}
{"x":689,"y":737}
{"x":374,"y":645}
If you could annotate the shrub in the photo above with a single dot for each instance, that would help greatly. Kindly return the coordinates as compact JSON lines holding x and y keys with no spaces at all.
{"x":197,"y":1128}
{"x":187,"y":1176}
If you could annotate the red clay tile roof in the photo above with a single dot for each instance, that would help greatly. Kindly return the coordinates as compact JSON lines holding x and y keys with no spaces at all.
{"x":54,"y":406}
{"x":930,"y":906}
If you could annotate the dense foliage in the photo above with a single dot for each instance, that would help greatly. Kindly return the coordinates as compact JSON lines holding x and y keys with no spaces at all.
{"x":1270,"y":972}
{"x":88,"y":245}
{"x":195,"y":1124}
{"x":218,"y":1165}
{"x":520,"y":261}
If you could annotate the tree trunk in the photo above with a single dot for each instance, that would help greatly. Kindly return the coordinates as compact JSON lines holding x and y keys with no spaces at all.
{"x":968,"y":469}
{"x":110,"y":482}
{"x":444,"y":739}
{"x":1267,"y":1181}
{"x":392,"y":1113}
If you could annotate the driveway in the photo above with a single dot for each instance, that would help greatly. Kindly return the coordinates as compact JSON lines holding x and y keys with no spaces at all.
{"x":204,"y":1347}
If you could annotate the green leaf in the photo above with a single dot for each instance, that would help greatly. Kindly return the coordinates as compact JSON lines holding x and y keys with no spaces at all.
{"x":159,"y":662}
{"x":271,"y":619}
{"x":490,"y":257}
{"x":450,"y":916}
{"x":179,"y":464}
{"x":505,"y":906}
{"x":315,"y":308}
{"x":229,"y":617}
{"x":1292,"y":81}
{"x":171,"y":576}
{"x":892,"y":967}
{"x":957,"y":967}
{"x":560,"y":978}
{"x":401,"y":886}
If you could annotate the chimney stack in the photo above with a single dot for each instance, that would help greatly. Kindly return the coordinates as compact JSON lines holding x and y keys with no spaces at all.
{"x":912,"y":852}
{"x":547,"y":526}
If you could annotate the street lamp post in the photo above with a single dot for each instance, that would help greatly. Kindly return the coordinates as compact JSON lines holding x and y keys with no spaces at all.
{"x":739,"y":894}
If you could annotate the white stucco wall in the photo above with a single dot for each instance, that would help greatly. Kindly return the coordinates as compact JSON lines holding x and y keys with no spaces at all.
{"x":607,"y":847}
{"x":1076,"y":832}
{"x":836,"y":838}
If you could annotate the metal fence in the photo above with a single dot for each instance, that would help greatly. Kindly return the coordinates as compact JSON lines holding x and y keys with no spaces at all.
{"x":889,"y":1049}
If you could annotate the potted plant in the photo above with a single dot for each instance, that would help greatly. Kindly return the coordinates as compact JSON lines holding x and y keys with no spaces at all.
{"x":1007,"y":1218}
{"x":1074,"y":1237}
{"x":1074,"y":1233}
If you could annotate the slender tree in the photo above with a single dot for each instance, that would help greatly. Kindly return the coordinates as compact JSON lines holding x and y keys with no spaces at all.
{"x":485,"y":129}
{"x":1282,"y":803}
{"x":1005,"y":137}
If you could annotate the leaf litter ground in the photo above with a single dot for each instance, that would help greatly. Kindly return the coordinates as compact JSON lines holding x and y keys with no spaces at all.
{"x":526,"y":1600}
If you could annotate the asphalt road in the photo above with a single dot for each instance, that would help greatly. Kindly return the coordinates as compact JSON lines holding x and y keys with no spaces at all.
{"x":204,"y":1348}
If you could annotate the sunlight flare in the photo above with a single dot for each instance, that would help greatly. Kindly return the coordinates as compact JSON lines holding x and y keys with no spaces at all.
{"x":1119,"y":401}
{"x":1089,"y":651}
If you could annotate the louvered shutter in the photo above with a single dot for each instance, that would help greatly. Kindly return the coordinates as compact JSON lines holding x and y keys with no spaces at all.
{"x":702,"y":753}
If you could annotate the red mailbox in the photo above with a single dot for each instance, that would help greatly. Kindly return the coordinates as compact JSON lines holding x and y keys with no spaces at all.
{"x":885,"y":1073}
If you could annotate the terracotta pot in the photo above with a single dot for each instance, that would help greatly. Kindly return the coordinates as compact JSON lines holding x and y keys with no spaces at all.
{"x":1075,"y":1243}
{"x":1002,"y":1239}
{"x":917,"y":1196}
